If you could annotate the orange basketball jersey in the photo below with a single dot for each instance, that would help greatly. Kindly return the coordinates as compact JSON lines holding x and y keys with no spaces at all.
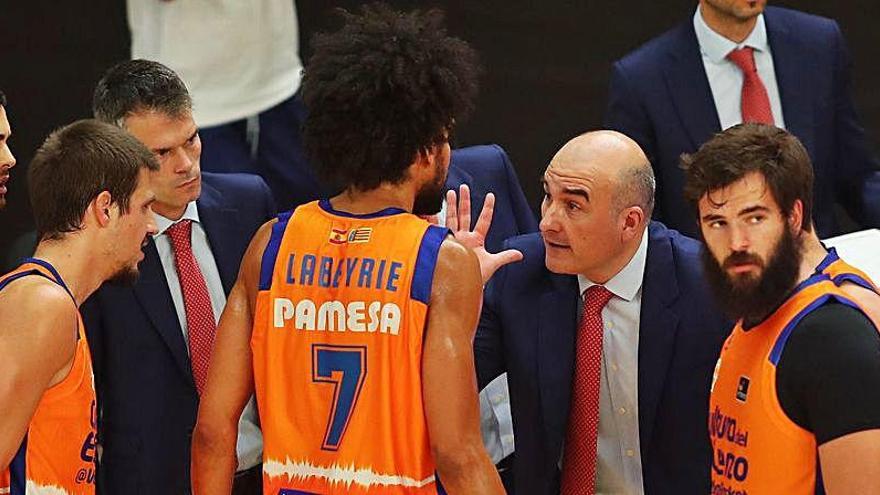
{"x":840,"y":271}
{"x":57,"y":455}
{"x":757,"y":448}
{"x":337,"y":352}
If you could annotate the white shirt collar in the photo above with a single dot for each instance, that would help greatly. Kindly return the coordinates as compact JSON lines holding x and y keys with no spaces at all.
{"x":717,"y":47}
{"x":162,"y":223}
{"x":628,"y":281}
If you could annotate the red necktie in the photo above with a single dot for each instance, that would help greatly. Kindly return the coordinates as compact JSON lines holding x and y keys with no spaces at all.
{"x":755,"y":102}
{"x":579,"y":460}
{"x":200,"y":322}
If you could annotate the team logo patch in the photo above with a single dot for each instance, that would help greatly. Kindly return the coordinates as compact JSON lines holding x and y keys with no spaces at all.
{"x":354,"y":236}
{"x":742,"y":389}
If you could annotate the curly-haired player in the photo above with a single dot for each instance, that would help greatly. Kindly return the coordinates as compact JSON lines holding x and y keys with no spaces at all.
{"x":352,"y":317}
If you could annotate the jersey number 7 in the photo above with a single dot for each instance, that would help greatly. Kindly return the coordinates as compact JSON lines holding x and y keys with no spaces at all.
{"x":350,"y":363}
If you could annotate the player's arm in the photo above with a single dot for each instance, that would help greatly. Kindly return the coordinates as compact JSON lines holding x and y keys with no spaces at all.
{"x":867,"y":299}
{"x":849,"y":461}
{"x":38,"y":338}
{"x":449,"y":380}
{"x":230,"y":379}
{"x":827,"y":382}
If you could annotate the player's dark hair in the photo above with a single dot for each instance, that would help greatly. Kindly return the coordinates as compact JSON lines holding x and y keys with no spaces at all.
{"x":74,"y":165}
{"x":381,"y":89}
{"x":732,"y":154}
{"x":139,"y":85}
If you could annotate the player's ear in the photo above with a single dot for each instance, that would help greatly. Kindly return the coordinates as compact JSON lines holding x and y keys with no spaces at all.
{"x":99,"y":208}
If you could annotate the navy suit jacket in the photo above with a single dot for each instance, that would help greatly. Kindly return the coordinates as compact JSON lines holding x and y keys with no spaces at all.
{"x":528,"y":329}
{"x":487,"y":169}
{"x":660,"y":96}
{"x":143,"y":377}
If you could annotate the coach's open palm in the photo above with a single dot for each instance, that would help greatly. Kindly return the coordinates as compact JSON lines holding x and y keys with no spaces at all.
{"x":458,"y":220}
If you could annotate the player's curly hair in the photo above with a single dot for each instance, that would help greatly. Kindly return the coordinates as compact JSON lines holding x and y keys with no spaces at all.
{"x":385,"y":86}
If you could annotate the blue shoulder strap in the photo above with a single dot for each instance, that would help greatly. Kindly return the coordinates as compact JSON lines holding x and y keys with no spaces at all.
{"x":423,"y":276}
{"x":267,"y":264}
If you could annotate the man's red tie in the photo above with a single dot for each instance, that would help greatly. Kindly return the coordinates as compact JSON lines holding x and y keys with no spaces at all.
{"x":196,"y":301}
{"x":579,"y":460}
{"x":755,"y":102}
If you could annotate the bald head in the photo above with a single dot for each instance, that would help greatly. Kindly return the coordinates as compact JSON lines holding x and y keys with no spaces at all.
{"x":613,"y":158}
{"x":598,"y":195}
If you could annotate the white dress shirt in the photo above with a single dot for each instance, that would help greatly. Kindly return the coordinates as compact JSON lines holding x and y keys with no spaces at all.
{"x":250,"y":439}
{"x":726,"y":79}
{"x":618,"y":460}
{"x":496,"y":421}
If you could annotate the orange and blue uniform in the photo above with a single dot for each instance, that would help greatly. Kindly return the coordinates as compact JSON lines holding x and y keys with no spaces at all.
{"x":840,"y":271}
{"x":337,"y":342}
{"x":58,"y":452}
{"x":757,"y":447}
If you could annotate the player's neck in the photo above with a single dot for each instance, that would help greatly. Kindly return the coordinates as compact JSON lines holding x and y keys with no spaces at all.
{"x":385,"y":196}
{"x":813,"y":254}
{"x":732,"y":28}
{"x":72,"y":262}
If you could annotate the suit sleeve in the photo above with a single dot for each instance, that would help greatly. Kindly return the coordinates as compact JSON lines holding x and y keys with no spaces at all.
{"x":269,"y":207}
{"x":626,"y":114}
{"x":488,"y":344}
{"x":522,"y":213}
{"x":857,"y":177}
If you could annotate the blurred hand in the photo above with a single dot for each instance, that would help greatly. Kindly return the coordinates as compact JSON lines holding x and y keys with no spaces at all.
{"x":458,"y":220}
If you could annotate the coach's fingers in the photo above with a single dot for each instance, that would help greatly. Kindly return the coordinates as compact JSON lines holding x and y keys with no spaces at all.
{"x":485,"y":219}
{"x":451,"y":210}
{"x":497,"y":260}
{"x":464,"y":207}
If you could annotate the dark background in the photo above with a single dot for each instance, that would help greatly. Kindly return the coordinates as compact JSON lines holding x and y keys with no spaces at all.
{"x":546,"y":68}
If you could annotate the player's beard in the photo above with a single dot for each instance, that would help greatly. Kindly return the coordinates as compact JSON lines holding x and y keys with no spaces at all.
{"x":754,"y":298}
{"x":429,"y":199}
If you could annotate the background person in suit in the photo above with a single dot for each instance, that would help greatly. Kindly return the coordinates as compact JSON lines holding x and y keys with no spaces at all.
{"x":733,"y":62}
{"x":654,"y":342}
{"x":152,"y":343}
{"x":241,"y":64}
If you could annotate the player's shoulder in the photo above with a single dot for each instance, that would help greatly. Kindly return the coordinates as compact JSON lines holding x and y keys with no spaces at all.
{"x":33,"y":301}
{"x":34,"y":290}
{"x":835,"y":326}
{"x":455,"y":261}
{"x":452,"y":250}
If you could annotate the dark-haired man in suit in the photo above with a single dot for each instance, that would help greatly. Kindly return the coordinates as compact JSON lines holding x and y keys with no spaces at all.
{"x":152,"y":343}
{"x":736,"y":61}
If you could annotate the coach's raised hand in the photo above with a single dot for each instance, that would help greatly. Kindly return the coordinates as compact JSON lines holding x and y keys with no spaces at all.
{"x":458,"y":220}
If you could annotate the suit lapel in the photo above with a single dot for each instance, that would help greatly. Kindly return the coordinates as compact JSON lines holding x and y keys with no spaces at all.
{"x":789,"y":56}
{"x":220,"y":227}
{"x":557,"y":328}
{"x":689,"y":87}
{"x":152,"y":293}
{"x":657,"y":328}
